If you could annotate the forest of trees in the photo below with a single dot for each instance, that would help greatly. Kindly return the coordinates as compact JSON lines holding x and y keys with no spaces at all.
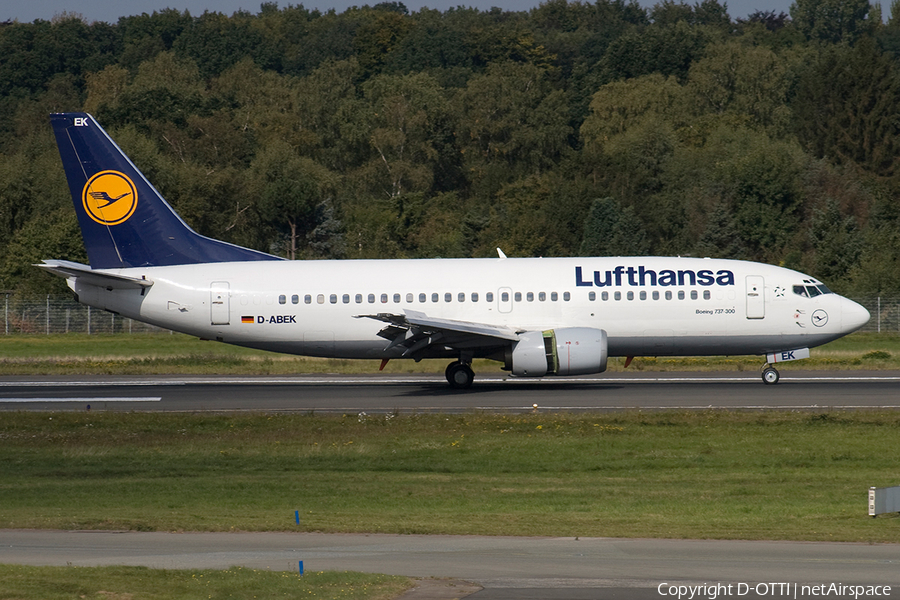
{"x":573,"y":128}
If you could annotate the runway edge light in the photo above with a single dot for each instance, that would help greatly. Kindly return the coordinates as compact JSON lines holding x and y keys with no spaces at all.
{"x":301,"y":567}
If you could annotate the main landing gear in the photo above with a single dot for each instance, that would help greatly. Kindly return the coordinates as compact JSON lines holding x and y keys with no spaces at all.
{"x":459,"y":375}
{"x":770,"y":375}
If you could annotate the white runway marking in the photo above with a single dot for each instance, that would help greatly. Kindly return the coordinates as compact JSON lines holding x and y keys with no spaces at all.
{"x":82,"y":400}
{"x":374,"y":380}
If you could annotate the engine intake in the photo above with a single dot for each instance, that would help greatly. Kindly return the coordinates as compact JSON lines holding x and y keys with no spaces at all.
{"x":567,"y":351}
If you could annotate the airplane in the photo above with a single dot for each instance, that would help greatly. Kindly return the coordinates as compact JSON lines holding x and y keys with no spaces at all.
{"x":538,"y":316}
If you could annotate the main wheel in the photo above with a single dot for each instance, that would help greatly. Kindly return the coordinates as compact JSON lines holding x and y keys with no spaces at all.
{"x":459,"y":375}
{"x":770,"y":376}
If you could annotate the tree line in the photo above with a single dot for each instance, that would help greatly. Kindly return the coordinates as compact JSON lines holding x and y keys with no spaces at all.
{"x":574,"y":128}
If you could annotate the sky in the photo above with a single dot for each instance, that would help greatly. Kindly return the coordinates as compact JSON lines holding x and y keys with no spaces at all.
{"x":111,"y":10}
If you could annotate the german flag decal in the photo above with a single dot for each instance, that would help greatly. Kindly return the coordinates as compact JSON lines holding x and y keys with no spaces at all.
{"x":247,"y":320}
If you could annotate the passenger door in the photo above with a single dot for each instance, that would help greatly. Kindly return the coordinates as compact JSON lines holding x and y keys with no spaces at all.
{"x":756,"y":297}
{"x":219,"y":303}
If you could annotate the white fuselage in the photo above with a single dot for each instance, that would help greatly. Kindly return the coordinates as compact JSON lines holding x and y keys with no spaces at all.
{"x":649,"y":306}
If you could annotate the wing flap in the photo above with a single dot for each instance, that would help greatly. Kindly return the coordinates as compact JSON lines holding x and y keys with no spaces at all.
{"x":415,"y":332}
{"x":84,"y":274}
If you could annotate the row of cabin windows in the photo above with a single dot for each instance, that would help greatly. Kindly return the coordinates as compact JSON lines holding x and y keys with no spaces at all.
{"x":489,"y":297}
{"x":592,"y":296}
{"x":435,"y":297}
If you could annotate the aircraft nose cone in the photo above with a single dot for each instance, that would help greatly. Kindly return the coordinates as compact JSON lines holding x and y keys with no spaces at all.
{"x":853,"y":315}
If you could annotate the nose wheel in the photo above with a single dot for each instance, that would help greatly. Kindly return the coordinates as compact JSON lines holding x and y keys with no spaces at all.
{"x":459,"y":375}
{"x":770,"y":375}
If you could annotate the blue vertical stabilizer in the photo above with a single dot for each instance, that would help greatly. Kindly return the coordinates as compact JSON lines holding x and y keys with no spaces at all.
{"x":124,"y":221}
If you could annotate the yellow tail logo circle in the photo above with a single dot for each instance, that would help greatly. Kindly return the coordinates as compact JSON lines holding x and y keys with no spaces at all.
{"x":109,"y":197}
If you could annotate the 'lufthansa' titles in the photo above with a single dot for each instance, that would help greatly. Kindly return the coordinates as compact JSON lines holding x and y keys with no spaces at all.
{"x":641,"y":276}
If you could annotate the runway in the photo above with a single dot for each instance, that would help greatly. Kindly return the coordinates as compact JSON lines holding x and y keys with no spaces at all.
{"x":811,"y":390}
{"x":508,"y":568}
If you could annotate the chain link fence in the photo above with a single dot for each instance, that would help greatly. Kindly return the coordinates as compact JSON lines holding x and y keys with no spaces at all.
{"x":61,"y":314}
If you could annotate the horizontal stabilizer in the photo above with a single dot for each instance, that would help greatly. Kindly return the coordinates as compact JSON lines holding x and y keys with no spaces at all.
{"x":84,"y":274}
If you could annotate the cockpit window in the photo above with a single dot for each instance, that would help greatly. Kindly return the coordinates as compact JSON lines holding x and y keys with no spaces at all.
{"x":811,"y":291}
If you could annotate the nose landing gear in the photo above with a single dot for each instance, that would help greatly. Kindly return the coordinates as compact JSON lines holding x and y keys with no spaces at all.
{"x":770,"y":375}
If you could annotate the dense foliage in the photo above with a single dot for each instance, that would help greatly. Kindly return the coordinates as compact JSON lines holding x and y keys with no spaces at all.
{"x":575,"y":127}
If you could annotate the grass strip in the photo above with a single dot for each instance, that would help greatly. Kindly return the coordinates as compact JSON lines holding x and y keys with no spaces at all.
{"x":164,"y":354}
{"x":716,"y":474}
{"x":140,"y":583}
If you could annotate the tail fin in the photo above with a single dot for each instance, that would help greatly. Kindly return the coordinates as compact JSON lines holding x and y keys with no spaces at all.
{"x":124,"y":221}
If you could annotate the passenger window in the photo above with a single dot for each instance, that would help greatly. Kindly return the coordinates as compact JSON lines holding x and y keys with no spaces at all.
{"x":396,"y":298}
{"x":604,"y":296}
{"x":333,"y":298}
{"x":592,"y":296}
{"x":371,"y":298}
{"x":423,"y":298}
{"x":307,"y":299}
{"x":554,"y":297}
{"x":384,"y":298}
{"x":320,"y":298}
{"x":409,"y":298}
{"x":474,"y":296}
{"x":530,"y":296}
{"x":518,"y":296}
{"x":655,"y":295}
{"x":706,"y":295}
{"x":668,"y":294}
{"x":295,"y":299}
{"x":504,"y":297}
{"x":461,"y":296}
{"x":681,"y":294}
{"x":282,"y":299}
{"x":489,"y":297}
{"x":567,"y":296}
{"x":643,"y":295}
{"x":617,"y":296}
{"x":630,"y":295}
{"x":693,"y":294}
{"x":358,"y":298}
{"x":435,"y":297}
{"x":345,"y":298}
{"x":542,"y":296}
{"x":448,"y":297}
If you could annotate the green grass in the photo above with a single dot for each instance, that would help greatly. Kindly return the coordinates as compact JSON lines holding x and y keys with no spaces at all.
{"x":139,"y":583}
{"x":162,"y":354}
{"x":795,"y":476}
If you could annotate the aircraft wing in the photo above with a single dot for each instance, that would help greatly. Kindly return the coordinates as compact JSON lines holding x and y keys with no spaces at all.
{"x":84,"y":273}
{"x":415,"y":331}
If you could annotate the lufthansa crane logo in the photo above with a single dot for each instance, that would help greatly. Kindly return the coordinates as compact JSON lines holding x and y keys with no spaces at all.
{"x":819,"y":318}
{"x":109,"y":197}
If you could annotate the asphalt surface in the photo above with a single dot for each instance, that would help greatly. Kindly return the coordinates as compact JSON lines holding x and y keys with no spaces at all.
{"x":380,"y":393}
{"x":507,"y":567}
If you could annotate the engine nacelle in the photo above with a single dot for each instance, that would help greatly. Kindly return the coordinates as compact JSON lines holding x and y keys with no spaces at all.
{"x":567,"y":351}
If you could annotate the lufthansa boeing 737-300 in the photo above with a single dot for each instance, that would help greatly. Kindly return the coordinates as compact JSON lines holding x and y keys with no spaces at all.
{"x":538,"y":316}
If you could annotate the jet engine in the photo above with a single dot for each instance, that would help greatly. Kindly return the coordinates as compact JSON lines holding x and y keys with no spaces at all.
{"x":567,"y":351}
